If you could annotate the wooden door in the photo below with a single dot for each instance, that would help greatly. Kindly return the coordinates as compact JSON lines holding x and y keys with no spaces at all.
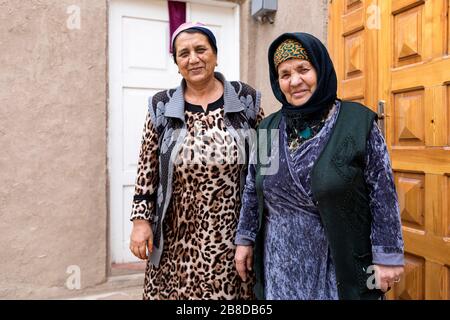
{"x":353,"y":47}
{"x":412,"y":65}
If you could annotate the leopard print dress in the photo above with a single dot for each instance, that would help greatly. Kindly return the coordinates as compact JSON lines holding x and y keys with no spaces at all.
{"x":200,"y":225}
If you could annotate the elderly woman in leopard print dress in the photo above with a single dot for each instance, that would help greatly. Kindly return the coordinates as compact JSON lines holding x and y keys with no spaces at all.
{"x":190,"y":175}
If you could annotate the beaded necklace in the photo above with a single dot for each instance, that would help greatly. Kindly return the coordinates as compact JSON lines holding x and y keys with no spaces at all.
{"x":303,"y":128}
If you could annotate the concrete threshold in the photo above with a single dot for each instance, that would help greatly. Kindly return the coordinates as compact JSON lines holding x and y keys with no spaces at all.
{"x":124,"y":287}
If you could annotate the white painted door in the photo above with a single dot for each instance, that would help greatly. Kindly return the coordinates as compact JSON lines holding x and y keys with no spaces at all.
{"x":224,"y":22}
{"x":140,"y":65}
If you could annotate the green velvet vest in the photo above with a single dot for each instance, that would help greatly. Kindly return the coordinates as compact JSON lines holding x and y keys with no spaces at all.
{"x":341,"y":195}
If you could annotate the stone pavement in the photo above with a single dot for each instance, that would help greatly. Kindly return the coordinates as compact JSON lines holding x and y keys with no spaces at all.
{"x":125,"y":283}
{"x":127,"y":287}
{"x":128,"y":294}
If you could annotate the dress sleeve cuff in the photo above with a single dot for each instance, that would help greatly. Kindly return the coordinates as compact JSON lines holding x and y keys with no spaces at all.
{"x":142,"y":210}
{"x":242,"y":240}
{"x":388,"y":259}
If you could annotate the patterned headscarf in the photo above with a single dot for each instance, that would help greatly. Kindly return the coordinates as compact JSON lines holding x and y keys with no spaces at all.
{"x":318,"y":56}
{"x":199,"y":27}
{"x":289,"y":49}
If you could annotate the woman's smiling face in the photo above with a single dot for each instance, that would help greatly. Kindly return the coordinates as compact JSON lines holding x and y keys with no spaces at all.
{"x":298,"y":81}
{"x":195,"y":57}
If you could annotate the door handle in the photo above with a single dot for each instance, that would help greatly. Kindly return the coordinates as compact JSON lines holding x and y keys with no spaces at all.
{"x":382,"y":116}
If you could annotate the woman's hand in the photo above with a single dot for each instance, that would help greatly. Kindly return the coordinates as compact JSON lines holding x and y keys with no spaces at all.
{"x":244,"y":260}
{"x":141,"y":238}
{"x":386,"y":276}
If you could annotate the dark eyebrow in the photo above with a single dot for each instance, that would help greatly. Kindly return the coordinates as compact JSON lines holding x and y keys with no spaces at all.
{"x":183,"y":51}
{"x":200,"y":46}
{"x":305,"y":64}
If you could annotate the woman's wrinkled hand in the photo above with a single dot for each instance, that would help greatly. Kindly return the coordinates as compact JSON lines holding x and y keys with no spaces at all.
{"x":244,"y":260}
{"x":141,"y":238}
{"x":386,"y":276}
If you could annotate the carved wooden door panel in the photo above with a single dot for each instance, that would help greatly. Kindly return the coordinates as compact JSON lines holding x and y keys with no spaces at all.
{"x":410,"y":65}
{"x":352,"y":45}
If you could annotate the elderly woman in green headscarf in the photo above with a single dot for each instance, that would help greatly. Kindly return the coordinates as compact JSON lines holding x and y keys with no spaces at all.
{"x":325,"y":223}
